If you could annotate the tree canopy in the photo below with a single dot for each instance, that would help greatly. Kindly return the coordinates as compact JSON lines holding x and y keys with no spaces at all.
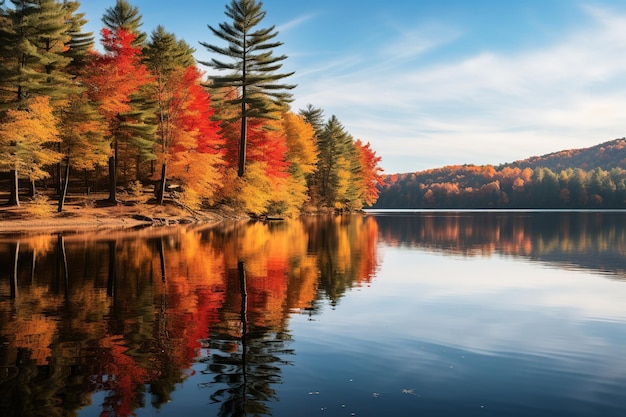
{"x":136,"y":103}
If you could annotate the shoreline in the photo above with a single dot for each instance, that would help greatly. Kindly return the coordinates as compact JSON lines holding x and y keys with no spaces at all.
{"x":21,"y":220}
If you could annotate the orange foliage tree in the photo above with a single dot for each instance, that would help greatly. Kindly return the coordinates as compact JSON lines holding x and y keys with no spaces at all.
{"x":267,"y":170}
{"x":113,"y":78}
{"x":189,"y":140}
{"x":371,"y":172}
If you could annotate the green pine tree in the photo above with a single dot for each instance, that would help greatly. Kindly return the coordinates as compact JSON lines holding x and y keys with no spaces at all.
{"x":80,"y":43}
{"x":252,"y":67}
{"x":313,"y":116}
{"x":164,"y":53}
{"x":337,"y":165}
{"x":126,"y":16}
{"x":34,"y":36}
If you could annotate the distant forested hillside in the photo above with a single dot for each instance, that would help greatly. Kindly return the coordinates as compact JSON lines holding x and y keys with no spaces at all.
{"x":592,"y":177}
{"x":607,"y":156}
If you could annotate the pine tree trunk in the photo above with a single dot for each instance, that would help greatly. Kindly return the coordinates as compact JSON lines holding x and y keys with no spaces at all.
{"x":14,"y":199}
{"x":161,"y":190}
{"x":242,"y":146}
{"x":31,"y":187}
{"x":63,"y":193}
{"x":112,"y":181}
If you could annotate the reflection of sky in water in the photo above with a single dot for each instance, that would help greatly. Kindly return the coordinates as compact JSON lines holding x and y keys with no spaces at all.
{"x":478,"y":332}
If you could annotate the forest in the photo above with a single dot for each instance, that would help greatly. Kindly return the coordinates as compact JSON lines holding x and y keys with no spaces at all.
{"x":137,"y":115}
{"x":589,"y":178}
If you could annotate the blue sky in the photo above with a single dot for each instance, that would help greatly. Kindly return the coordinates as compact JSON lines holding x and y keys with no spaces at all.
{"x":432,"y":83}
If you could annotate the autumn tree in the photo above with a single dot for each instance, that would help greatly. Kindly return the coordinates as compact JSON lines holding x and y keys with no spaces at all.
{"x":166,"y":57}
{"x":301,"y":142}
{"x":84,"y":142}
{"x":137,"y":123}
{"x":114,"y":77}
{"x":25,"y":136}
{"x":252,"y":67}
{"x":370,"y":172}
{"x":268,"y":166}
{"x":190,"y":140}
{"x":41,"y":46}
{"x":302,"y":155}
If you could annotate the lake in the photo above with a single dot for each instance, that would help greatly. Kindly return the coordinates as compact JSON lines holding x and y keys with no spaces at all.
{"x":387,"y":313}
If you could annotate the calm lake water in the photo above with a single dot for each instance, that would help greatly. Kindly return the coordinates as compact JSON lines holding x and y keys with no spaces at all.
{"x":385,"y":314}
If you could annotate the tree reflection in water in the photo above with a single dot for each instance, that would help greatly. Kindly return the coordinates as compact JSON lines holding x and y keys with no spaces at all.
{"x":128,"y":314}
{"x":131,"y":314}
{"x":245,"y":360}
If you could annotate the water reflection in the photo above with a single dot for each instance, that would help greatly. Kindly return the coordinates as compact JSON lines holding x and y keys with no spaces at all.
{"x":590,"y":240}
{"x":128,"y":316}
{"x":119,"y":322}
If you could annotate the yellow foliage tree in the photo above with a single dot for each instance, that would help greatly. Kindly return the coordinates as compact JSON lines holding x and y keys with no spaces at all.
{"x":251,"y":193}
{"x":301,"y":142}
{"x":24,"y":138}
{"x":344,"y":177}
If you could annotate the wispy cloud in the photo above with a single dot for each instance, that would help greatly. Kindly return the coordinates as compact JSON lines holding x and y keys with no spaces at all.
{"x":409,"y":43}
{"x":293,"y":23}
{"x":491,"y":107}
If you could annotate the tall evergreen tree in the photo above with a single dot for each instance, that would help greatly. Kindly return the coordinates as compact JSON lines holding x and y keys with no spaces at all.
{"x":313,"y":116}
{"x":335,"y":167}
{"x":34,"y":37}
{"x":252,"y":69}
{"x":125,"y":16}
{"x":164,"y":53}
{"x":80,"y":43}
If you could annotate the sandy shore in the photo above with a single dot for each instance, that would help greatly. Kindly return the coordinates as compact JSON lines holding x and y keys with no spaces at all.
{"x":76,"y":218}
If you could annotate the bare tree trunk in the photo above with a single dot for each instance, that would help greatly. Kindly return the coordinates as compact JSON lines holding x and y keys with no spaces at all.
{"x":161,"y":188}
{"x":112,"y":181}
{"x":31,"y":187}
{"x":14,"y":199}
{"x":242,"y":143}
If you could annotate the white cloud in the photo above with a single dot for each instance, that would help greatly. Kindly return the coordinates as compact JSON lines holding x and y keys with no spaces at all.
{"x":490,"y":107}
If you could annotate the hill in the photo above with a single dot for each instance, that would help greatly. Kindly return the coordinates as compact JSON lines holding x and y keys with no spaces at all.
{"x":607,"y":155}
{"x":593,"y":177}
